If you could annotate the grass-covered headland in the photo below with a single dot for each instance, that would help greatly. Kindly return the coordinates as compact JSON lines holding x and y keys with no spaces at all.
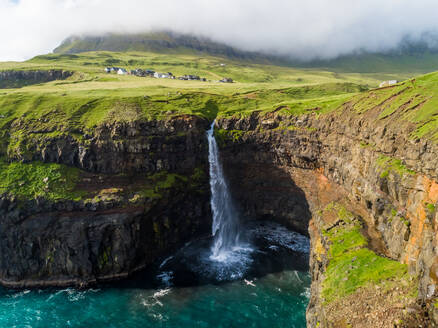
{"x":76,"y":106}
{"x":73,"y":108}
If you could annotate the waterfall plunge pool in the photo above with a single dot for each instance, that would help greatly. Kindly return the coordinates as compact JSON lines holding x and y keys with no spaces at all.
{"x":252,"y":274}
{"x":269,"y":288}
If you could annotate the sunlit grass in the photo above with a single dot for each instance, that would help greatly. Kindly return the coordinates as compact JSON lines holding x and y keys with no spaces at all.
{"x":351,"y":264}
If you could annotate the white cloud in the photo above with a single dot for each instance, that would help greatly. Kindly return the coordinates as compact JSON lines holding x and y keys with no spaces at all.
{"x":321,"y":28}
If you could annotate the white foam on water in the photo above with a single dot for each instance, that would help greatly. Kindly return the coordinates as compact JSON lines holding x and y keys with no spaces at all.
{"x":161,"y":293}
{"x":154,"y":299}
{"x":166,"y":278}
{"x":20,"y":294}
{"x":279,"y":235}
{"x":306,"y":292}
{"x":249,"y":282}
{"x":297,"y":276}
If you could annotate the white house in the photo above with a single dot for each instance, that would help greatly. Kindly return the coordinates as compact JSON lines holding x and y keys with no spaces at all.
{"x":161,"y":75}
{"x":387,"y":83}
{"x":122,"y":71}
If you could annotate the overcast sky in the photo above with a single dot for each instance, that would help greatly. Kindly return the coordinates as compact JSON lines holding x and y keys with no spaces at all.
{"x":300,"y":28}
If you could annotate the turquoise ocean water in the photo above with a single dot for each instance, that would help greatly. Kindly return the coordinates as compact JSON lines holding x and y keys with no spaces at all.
{"x":271,"y":291}
{"x":275,"y":300}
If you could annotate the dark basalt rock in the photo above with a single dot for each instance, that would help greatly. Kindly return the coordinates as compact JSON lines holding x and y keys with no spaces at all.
{"x":62,"y":243}
{"x":84,"y":247}
{"x":287,"y":167}
{"x":17,"y":79}
{"x":177,"y":144}
{"x":279,"y":167}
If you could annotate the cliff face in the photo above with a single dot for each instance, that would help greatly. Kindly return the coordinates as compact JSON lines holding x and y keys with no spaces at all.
{"x":143,"y":191}
{"x":175,"y":144}
{"x":16,"y":79}
{"x":80,"y":206}
{"x":373,"y":169}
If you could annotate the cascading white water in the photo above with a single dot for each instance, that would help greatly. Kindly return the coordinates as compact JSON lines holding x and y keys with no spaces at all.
{"x":237,"y":249}
{"x":225,"y":227}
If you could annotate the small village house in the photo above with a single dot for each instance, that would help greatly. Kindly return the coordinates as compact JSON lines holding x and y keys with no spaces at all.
{"x":387,"y":83}
{"x":167,"y":75}
{"x":122,"y":71}
{"x":226,"y":80}
{"x":189,"y":77}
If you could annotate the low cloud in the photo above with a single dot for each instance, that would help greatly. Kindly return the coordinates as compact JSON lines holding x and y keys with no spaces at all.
{"x":301,"y":29}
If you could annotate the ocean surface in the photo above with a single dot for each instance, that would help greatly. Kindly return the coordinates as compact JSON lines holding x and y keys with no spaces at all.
{"x":270,"y":290}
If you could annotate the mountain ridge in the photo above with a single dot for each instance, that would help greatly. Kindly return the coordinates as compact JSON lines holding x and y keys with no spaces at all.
{"x":410,"y":56}
{"x":163,"y":42}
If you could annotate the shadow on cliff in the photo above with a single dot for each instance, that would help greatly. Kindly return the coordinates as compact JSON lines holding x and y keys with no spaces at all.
{"x":267,"y":192}
{"x":263,"y":192}
{"x":210,"y":110}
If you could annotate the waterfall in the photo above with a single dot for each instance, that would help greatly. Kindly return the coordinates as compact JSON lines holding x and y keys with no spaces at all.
{"x":225,"y":227}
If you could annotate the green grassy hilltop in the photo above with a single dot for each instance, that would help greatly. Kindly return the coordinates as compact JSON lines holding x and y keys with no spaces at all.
{"x":256,"y":86}
{"x":74,"y":107}
{"x":91,"y":97}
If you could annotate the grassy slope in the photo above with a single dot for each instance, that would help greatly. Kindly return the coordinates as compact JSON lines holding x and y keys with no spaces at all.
{"x":77,"y":105}
{"x":91,"y":97}
{"x":27,"y":181}
{"x":57,"y":182}
{"x":258,"y":87}
{"x":352,"y":265}
{"x":413,"y":101}
{"x":360,"y":287}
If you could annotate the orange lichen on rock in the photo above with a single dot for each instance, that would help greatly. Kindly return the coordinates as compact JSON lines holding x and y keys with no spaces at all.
{"x":418,"y":219}
{"x":432,"y":190}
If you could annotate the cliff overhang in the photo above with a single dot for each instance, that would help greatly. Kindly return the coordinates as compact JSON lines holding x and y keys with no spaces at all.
{"x":298,"y":169}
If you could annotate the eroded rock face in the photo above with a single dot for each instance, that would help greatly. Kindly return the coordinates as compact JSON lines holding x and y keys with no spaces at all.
{"x":175,"y":144}
{"x":15,"y":79}
{"x":389,"y":178}
{"x":122,"y":226}
{"x":63,"y":248}
{"x":280,"y":167}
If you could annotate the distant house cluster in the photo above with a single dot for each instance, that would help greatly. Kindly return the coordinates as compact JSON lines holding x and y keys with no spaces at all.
{"x":167,"y":75}
{"x":150,"y":73}
{"x":117,"y":70}
{"x":192,"y":77}
{"x":142,"y":72}
{"x":226,"y":80}
{"x":387,"y":83}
